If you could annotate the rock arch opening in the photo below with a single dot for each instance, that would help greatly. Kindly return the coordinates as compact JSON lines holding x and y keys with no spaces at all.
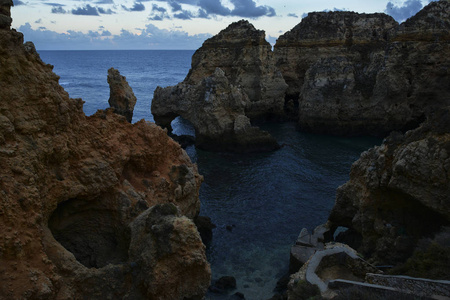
{"x":92,"y":230}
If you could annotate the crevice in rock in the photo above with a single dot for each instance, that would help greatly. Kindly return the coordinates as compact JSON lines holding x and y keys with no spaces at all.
{"x":92,"y":230}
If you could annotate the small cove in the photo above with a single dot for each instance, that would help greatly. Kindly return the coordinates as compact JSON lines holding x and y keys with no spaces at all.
{"x":264,"y":199}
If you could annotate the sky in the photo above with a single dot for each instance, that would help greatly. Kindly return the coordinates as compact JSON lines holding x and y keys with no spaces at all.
{"x":171,"y":24}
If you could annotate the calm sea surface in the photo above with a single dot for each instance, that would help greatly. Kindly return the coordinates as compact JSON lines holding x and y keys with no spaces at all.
{"x":259,"y":202}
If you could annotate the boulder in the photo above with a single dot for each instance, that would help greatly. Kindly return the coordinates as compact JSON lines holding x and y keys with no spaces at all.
{"x":121,"y":96}
{"x":80,"y":196}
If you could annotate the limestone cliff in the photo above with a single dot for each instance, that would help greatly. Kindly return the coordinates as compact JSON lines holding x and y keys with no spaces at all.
{"x":216,"y":110}
{"x":353,"y":74}
{"x":398,"y":192}
{"x":233,"y":79}
{"x":121,"y":96}
{"x":80,"y":196}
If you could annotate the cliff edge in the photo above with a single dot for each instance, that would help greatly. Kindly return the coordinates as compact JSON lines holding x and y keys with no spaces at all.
{"x":91,"y":207}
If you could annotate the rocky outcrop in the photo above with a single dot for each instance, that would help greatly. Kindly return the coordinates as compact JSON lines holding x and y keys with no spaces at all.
{"x":121,"y":96}
{"x":216,"y":109}
{"x":233,"y":79}
{"x":353,"y":74}
{"x":398,"y":192}
{"x":243,"y":53}
{"x":91,"y":207}
{"x":5,"y":14}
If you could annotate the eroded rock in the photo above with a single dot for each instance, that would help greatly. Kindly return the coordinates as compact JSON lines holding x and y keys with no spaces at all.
{"x":121,"y":96}
{"x":359,"y":74}
{"x":233,"y":81}
{"x":216,"y":109}
{"x":398,"y":192}
{"x":74,"y":190}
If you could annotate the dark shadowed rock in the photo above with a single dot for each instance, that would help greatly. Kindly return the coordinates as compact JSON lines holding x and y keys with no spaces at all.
{"x":121,"y":96}
{"x":354,"y":74}
{"x":398,"y":192}
{"x":5,"y":13}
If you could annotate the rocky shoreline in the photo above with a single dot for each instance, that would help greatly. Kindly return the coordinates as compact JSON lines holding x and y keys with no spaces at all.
{"x":99,"y":207}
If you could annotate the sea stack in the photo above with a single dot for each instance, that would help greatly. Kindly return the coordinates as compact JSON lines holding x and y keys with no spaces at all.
{"x":121,"y":96}
{"x":233,"y":81}
{"x":91,"y":207}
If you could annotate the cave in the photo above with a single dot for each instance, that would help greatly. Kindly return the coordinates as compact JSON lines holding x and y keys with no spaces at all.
{"x":92,"y":230}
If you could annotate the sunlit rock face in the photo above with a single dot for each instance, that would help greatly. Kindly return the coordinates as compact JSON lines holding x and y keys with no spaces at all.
{"x":80,"y":196}
{"x":356,"y":74}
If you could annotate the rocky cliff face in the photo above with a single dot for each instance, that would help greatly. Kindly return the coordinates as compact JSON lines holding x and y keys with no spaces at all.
{"x":121,"y":96}
{"x":233,"y":79}
{"x":216,"y":109}
{"x":363,"y":73}
{"x":91,"y":207}
{"x":243,"y":53}
{"x":398,"y":192}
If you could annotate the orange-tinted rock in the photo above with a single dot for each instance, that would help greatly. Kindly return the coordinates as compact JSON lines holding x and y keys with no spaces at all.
{"x":70,"y":187}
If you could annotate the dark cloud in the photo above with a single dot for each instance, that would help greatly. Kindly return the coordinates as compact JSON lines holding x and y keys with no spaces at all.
{"x":248,"y":9}
{"x":18,"y":2}
{"x":158,"y":13}
{"x":184,"y":15}
{"x":105,"y":11}
{"x":293,"y":15}
{"x":86,"y":11}
{"x":38,"y":21}
{"x":175,"y":6}
{"x":104,"y":2}
{"x":401,"y":13}
{"x":207,"y":8}
{"x":58,"y":10}
{"x":138,"y":6}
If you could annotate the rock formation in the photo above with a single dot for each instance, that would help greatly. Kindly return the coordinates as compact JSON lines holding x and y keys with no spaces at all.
{"x":357,"y":74}
{"x":121,"y":96}
{"x":233,"y":79}
{"x":398,"y":192}
{"x":91,"y":207}
{"x":216,"y":109}
{"x":243,"y":53}
{"x":5,"y":14}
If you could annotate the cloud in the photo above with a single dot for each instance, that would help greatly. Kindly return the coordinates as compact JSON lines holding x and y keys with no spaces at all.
{"x":58,"y":10}
{"x":105,"y":11}
{"x":207,"y":8}
{"x":38,"y":21}
{"x":18,"y":2}
{"x":151,"y":37}
{"x":401,"y":13}
{"x":293,"y":15}
{"x":158,"y":13}
{"x":86,"y":11}
{"x":138,"y":6}
{"x":104,"y":2}
{"x":248,"y":8}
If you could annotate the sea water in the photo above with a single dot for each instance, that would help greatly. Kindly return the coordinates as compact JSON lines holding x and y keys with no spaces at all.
{"x":259,"y":202}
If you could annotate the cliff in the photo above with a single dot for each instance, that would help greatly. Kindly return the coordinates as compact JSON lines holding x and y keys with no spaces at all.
{"x":91,"y":207}
{"x":398,"y":193}
{"x":233,"y":80}
{"x":357,"y":74}
{"x":121,"y":96}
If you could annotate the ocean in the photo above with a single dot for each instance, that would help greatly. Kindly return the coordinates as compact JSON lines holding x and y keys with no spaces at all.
{"x":259,"y":202}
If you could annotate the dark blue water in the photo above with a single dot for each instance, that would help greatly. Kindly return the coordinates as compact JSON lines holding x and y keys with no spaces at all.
{"x":264,"y":199}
